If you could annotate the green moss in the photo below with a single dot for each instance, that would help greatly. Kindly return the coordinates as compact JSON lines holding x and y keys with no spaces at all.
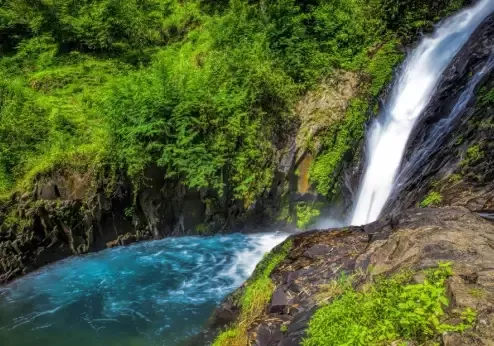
{"x":284,"y":213}
{"x":477,"y":293}
{"x":338,"y":142}
{"x":432,"y":199}
{"x":455,"y":178}
{"x":382,"y":64}
{"x":15,"y":219}
{"x":486,"y":97}
{"x":306,"y":213}
{"x":389,"y":310}
{"x":459,"y":140}
{"x":254,"y":298}
{"x":202,"y":229}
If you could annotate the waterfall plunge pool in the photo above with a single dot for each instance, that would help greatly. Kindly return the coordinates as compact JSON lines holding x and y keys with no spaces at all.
{"x":153,"y":293}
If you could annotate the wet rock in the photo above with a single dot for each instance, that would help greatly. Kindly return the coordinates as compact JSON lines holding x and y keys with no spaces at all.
{"x":223,"y":316}
{"x":459,"y":180}
{"x":292,"y":276}
{"x":268,"y":335}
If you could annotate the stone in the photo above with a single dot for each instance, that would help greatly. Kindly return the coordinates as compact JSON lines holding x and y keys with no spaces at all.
{"x":292,"y":276}
{"x":279,"y":301}
{"x":268,"y":335}
{"x":420,"y":238}
{"x":318,"y":251}
{"x":48,"y":192}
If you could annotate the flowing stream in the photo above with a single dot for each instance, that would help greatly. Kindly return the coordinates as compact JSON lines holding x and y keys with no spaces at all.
{"x":414,"y":87}
{"x":152,"y":293}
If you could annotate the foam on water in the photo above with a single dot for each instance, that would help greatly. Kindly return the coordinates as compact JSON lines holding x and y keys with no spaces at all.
{"x":411,"y":93}
{"x":153,"y":293}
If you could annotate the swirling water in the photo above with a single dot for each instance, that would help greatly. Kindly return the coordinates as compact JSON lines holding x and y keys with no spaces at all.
{"x":411,"y":93}
{"x":153,"y":293}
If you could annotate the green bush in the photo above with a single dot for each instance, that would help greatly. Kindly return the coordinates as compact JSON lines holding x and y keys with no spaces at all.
{"x":391,"y":309}
{"x":432,"y":199}
{"x":204,"y":89}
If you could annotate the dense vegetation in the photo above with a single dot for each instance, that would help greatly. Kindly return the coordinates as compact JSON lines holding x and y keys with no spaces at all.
{"x":389,"y":311}
{"x":203,"y":88}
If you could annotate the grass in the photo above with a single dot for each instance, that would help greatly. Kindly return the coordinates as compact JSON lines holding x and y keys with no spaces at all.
{"x":389,"y":310}
{"x":254,"y":298}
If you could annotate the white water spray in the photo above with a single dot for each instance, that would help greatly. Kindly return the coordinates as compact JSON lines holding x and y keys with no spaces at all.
{"x":413,"y":89}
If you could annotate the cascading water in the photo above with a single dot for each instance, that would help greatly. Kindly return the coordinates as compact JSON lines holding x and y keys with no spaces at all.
{"x":438,"y":133}
{"x":153,"y":293}
{"x":411,"y":93}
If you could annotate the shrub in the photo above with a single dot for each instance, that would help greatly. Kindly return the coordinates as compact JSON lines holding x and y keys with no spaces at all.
{"x":204,"y":89}
{"x":432,"y":199}
{"x":391,"y":309}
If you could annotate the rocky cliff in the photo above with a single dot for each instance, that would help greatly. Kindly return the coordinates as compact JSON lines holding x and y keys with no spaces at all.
{"x":414,"y":240}
{"x":448,"y":165}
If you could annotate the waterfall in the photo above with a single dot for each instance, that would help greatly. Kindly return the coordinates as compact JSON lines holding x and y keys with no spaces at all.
{"x":414,"y":87}
{"x":437,"y":134}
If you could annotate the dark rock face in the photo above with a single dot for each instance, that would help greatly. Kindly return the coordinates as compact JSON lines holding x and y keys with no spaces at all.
{"x":415,"y":239}
{"x":423,"y":166}
{"x":67,"y":215}
{"x":47,"y":230}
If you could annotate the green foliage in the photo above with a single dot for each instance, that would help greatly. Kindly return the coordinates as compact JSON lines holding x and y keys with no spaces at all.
{"x":389,"y":310}
{"x":486,"y":96}
{"x":380,"y":67}
{"x":306,"y":214}
{"x":204,"y":89}
{"x":339,"y":141}
{"x":408,"y":18}
{"x":455,"y":178}
{"x":432,"y":199}
{"x":254,"y":298}
{"x":473,"y":154}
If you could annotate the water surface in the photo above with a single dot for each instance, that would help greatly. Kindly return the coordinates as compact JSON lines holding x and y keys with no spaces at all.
{"x":154,"y":293}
